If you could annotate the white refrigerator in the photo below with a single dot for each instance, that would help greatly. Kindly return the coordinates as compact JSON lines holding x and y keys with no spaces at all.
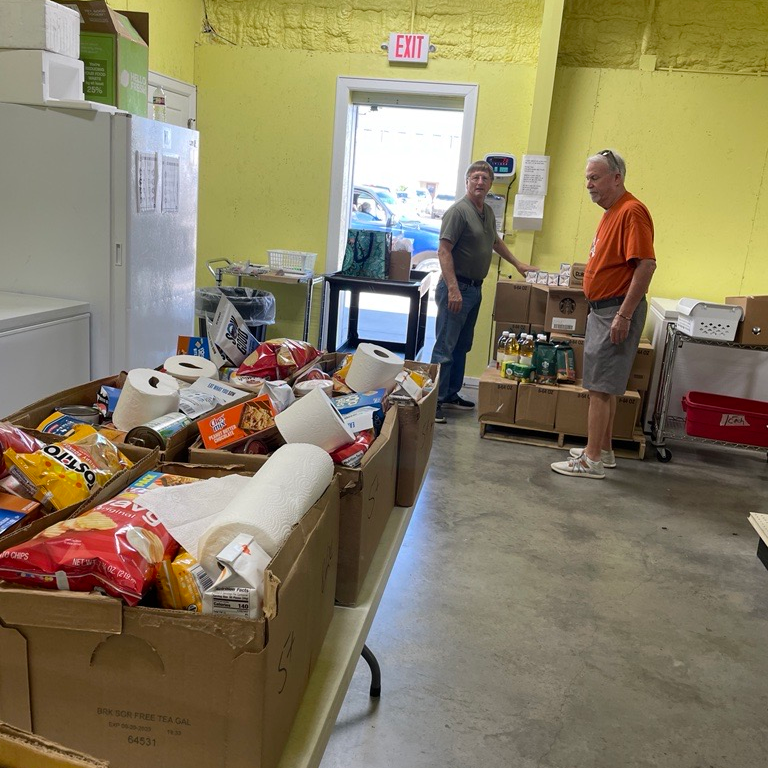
{"x":102,"y":207}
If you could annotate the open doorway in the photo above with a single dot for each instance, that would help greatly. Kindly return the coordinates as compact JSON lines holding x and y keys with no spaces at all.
{"x":400,"y":149}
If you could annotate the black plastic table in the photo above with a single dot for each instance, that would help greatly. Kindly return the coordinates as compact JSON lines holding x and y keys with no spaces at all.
{"x":416,"y":290}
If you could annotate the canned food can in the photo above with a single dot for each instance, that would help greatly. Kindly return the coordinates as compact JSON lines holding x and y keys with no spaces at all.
{"x":155,"y":433}
{"x":85,"y":413}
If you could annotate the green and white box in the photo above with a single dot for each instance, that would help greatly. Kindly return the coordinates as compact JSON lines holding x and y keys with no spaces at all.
{"x":114,"y":47}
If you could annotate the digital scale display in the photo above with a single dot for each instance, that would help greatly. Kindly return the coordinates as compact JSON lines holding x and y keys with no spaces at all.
{"x":503,"y":165}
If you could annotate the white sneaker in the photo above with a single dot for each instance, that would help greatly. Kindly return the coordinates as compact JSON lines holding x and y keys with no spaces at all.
{"x":607,"y":457}
{"x":582,"y":466}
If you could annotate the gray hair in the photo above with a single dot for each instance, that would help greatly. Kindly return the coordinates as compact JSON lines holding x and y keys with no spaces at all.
{"x":612,"y":159}
{"x":478,"y":165}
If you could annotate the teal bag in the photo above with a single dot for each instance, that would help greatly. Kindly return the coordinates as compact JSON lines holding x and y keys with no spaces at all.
{"x":366,"y":254}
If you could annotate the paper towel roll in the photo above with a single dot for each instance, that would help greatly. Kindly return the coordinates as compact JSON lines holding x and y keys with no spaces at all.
{"x":373,"y":367}
{"x":301,"y":388}
{"x":314,"y":419}
{"x":191,"y":368}
{"x":271,"y":503}
{"x":146,"y":395}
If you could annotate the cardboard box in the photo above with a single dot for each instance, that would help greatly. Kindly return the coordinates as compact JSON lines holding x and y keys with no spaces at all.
{"x":21,"y":749}
{"x":169,"y":685}
{"x":753,"y":329}
{"x":536,"y":406}
{"x":416,"y":426}
{"x":627,"y":407}
{"x":114,"y":47}
{"x":537,"y":306}
{"x":572,"y":409}
{"x":565,"y":310}
{"x":39,"y":25}
{"x":640,"y":375}
{"x":367,"y":500}
{"x":512,"y":297}
{"x":577,"y":273}
{"x":85,"y":394}
{"x":399,"y":266}
{"x":497,"y":398}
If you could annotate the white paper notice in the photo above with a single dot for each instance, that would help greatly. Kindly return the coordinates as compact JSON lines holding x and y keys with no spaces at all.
{"x":534,"y":175}
{"x":146,"y":181}
{"x":497,"y":205}
{"x":170,"y":197}
{"x":528,"y":212}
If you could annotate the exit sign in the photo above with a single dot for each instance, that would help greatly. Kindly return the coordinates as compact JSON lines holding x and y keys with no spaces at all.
{"x":408,"y":48}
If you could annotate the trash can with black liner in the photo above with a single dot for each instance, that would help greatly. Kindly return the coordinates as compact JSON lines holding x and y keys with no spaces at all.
{"x":257,"y":308}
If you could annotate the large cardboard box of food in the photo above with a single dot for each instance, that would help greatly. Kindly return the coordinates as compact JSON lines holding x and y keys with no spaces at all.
{"x":536,"y":406}
{"x":627,"y":407}
{"x":39,"y":25}
{"x":565,"y":310}
{"x":417,"y":426}
{"x":512,"y":298}
{"x":753,"y":329}
{"x":114,"y":48}
{"x":176,"y":445}
{"x":497,"y":398}
{"x":21,"y":749}
{"x":169,"y":689}
{"x":367,"y":500}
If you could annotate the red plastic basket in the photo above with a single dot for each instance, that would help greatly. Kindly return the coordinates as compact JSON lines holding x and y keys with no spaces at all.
{"x":731,"y":419}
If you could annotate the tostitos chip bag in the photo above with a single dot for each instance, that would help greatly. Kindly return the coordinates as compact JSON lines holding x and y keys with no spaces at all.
{"x":65,"y":473}
{"x":115,"y":548}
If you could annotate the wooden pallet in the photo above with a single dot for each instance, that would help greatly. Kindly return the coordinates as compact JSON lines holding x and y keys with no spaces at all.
{"x":547,"y":438}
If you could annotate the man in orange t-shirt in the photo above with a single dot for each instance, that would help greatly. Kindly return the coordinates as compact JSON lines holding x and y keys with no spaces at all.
{"x":621,"y":264}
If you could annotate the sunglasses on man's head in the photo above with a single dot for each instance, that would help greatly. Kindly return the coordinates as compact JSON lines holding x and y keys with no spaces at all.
{"x":612,"y":161}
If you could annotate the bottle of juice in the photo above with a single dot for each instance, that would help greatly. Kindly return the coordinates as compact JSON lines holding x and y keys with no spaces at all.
{"x":525,"y":355}
{"x":501,"y":348}
{"x":511,"y":350}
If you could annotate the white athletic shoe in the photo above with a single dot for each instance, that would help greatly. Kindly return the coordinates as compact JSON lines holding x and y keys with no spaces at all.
{"x":580,"y":467}
{"x":607,"y":457}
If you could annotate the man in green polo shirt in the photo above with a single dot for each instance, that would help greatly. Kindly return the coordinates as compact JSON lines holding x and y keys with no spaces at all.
{"x":468,"y":239}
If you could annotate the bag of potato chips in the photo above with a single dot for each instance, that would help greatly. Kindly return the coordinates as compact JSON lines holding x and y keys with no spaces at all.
{"x":65,"y":473}
{"x":114,"y":548}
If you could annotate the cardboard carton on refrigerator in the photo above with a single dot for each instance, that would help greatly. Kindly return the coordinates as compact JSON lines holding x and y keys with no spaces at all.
{"x":114,"y":47}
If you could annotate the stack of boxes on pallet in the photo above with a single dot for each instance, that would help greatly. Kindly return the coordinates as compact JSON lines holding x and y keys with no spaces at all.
{"x":561,"y":313}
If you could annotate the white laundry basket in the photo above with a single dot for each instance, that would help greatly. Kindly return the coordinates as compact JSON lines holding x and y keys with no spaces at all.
{"x":703,"y":320}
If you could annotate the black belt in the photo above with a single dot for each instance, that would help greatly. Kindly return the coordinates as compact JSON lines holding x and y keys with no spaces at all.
{"x":614,"y":301}
{"x":467,"y":281}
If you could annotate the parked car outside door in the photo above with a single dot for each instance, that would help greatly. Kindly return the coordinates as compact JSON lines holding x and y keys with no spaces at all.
{"x":376,"y":209}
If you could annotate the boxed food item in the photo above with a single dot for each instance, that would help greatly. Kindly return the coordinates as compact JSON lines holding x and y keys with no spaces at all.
{"x":572,"y":409}
{"x":565,"y":309}
{"x":577,"y":274}
{"x":536,"y":406}
{"x":229,"y":687}
{"x":496,"y":398}
{"x":237,"y":423}
{"x":753,"y":329}
{"x":114,"y":47}
{"x":16,"y":512}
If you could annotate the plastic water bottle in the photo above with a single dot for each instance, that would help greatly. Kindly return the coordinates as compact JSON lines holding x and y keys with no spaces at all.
{"x":158,"y":104}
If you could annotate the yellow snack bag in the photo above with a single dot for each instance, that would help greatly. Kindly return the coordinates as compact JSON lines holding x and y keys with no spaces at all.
{"x":181,"y":583}
{"x":65,"y":473}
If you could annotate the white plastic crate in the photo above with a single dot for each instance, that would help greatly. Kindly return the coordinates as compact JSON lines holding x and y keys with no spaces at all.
{"x":702,"y":320}
{"x":295,"y":260}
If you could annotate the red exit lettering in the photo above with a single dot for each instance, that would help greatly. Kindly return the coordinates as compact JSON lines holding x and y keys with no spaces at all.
{"x":408,"y":47}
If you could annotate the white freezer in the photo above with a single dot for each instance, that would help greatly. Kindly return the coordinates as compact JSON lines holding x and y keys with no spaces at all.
{"x":44,"y":348}
{"x":71,"y":225}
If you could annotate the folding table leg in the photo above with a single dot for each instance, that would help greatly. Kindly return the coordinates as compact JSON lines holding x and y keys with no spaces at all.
{"x":367,"y":654}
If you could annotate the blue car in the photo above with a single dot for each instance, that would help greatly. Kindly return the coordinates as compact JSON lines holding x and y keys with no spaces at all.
{"x":375,"y":208}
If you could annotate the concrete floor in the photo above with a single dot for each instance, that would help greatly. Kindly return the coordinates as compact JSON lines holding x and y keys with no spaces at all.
{"x":534,"y":620}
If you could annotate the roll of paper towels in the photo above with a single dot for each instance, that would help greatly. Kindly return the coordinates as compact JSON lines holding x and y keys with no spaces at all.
{"x":314,"y":419}
{"x":373,"y":367}
{"x":146,"y":395}
{"x":191,"y":368}
{"x":271,"y":503}
{"x":301,"y":388}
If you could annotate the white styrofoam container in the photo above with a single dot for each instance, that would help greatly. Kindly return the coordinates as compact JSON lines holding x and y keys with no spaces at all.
{"x":39,"y":77}
{"x":41,"y":25}
{"x":702,"y":320}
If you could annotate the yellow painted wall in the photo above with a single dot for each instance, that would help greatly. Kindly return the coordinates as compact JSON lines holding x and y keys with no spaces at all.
{"x":174,"y":27}
{"x":261,"y":111}
{"x":696,"y":150}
